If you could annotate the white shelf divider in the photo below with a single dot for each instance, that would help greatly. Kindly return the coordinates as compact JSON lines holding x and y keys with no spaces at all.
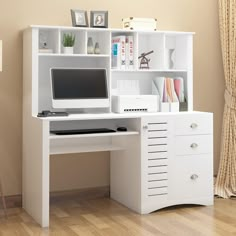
{"x":55,"y":150}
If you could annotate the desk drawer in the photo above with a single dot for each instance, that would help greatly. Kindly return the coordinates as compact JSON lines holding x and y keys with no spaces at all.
{"x":194,"y":124}
{"x":193,"y":144}
{"x":191,"y":177}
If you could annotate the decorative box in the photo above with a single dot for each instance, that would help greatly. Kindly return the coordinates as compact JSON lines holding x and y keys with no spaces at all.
{"x":134,"y":23}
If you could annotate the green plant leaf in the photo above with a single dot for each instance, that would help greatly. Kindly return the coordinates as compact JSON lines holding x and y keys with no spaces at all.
{"x":68,"y":40}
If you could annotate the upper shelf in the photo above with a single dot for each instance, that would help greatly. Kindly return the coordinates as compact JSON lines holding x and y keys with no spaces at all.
{"x":149,"y":70}
{"x":71,"y":55}
{"x":107,"y":29}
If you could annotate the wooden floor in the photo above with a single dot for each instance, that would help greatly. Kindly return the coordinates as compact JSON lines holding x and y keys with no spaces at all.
{"x":106,"y":217}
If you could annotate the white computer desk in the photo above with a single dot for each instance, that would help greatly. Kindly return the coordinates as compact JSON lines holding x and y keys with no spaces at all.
{"x":158,"y":153}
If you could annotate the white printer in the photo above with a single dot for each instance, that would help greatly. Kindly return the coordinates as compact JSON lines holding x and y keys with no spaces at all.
{"x":135,"y":103}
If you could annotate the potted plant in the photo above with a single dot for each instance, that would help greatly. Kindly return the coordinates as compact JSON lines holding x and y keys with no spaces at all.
{"x":68,"y":43}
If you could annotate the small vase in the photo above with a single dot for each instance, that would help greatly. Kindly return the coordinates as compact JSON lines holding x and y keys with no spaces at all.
{"x":90,"y":49}
{"x":170,"y":58}
{"x":97,"y":49}
{"x":68,"y":50}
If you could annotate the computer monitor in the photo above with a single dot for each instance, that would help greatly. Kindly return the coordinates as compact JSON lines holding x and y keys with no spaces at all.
{"x":79,"y":88}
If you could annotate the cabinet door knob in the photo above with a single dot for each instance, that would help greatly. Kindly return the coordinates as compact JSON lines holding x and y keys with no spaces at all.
{"x":145,"y":127}
{"x":194,"y":145}
{"x":193,"y":126}
{"x":194,"y":176}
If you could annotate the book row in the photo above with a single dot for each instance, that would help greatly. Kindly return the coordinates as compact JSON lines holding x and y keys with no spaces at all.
{"x":123,"y":52}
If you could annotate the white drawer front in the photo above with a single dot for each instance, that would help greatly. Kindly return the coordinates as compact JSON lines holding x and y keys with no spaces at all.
{"x":194,"y":124}
{"x":192,"y":145}
{"x":191,"y":177}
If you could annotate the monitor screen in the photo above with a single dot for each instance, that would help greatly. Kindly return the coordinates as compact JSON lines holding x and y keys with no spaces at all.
{"x":79,"y":88}
{"x":79,"y":83}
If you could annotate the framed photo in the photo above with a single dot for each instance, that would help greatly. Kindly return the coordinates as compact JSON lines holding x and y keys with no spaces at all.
{"x":79,"y":18}
{"x":99,"y":19}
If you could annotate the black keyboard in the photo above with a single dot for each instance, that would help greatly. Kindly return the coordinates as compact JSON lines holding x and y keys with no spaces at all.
{"x":82,"y":131}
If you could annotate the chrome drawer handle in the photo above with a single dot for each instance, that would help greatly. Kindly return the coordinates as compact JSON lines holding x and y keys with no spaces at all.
{"x":145,"y":127}
{"x":194,"y":176}
{"x":193,"y":126}
{"x":194,"y":145}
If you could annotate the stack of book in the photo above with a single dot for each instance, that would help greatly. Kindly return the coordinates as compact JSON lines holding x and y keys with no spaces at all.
{"x":123,"y":52}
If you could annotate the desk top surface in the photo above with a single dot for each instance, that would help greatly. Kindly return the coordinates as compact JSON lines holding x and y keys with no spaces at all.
{"x":97,"y":116}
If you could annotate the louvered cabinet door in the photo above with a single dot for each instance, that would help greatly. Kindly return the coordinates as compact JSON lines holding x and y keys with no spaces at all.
{"x":156,"y":139}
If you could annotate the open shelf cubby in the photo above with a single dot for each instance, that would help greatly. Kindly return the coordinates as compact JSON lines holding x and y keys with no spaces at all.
{"x":148,"y":42}
{"x":80,"y":40}
{"x":60,"y":144}
{"x":102,"y":39}
{"x":178,"y":46}
{"x":49,"y":39}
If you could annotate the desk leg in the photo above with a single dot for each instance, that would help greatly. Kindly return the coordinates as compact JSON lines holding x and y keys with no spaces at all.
{"x":36,"y":170}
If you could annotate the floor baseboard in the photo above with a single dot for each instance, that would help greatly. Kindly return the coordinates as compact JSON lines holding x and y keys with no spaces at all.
{"x":79,"y":194}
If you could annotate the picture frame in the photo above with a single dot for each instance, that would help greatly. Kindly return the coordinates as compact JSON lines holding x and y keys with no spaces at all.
{"x":79,"y":18}
{"x":99,"y":19}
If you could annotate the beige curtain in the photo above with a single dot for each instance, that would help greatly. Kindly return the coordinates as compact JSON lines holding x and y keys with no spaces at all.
{"x":226,"y":178}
